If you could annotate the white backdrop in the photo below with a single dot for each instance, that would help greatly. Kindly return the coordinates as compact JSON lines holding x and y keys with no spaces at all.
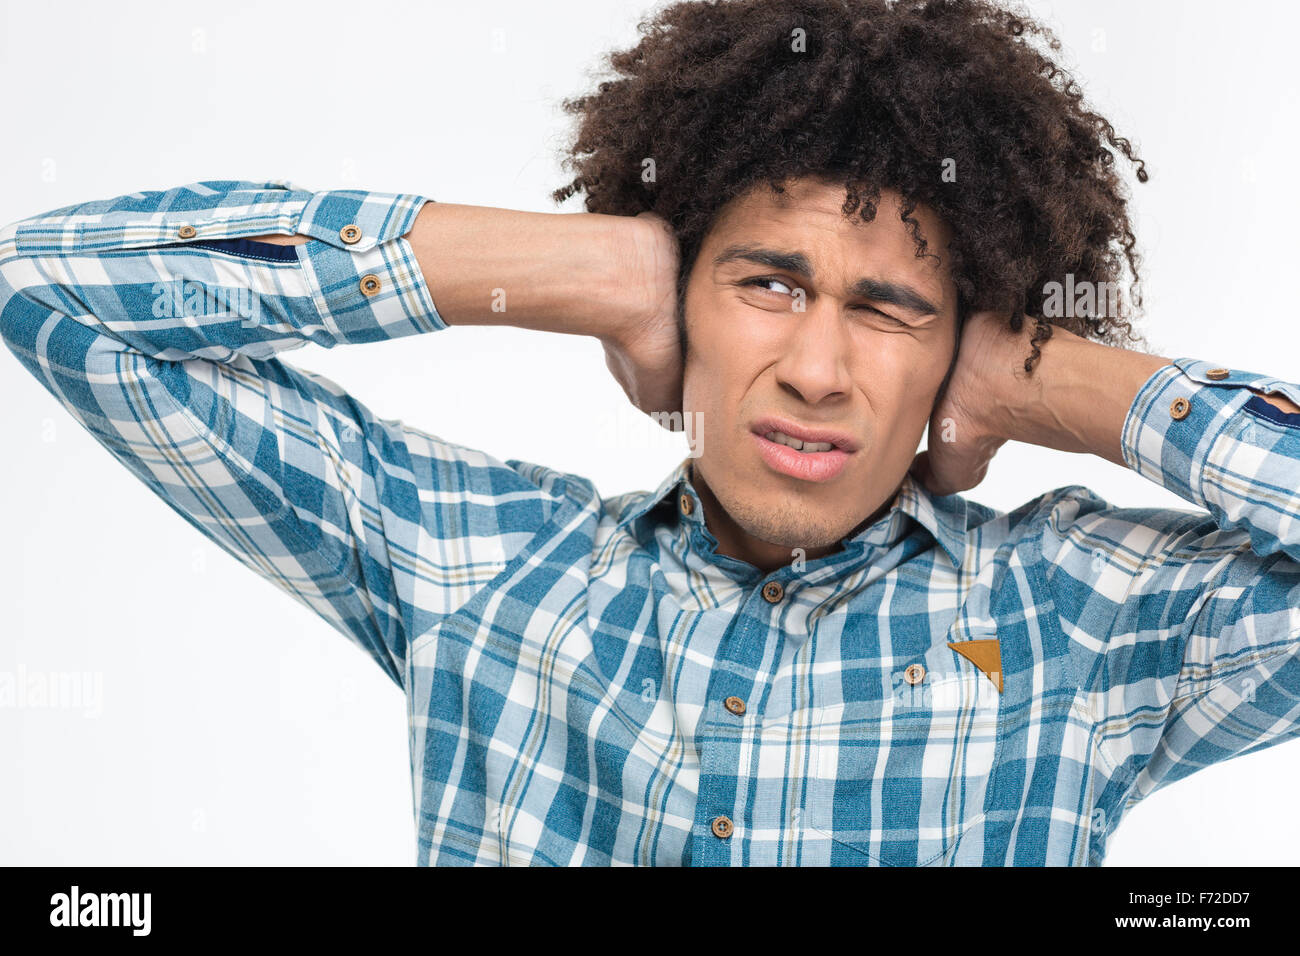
{"x":233,"y":726}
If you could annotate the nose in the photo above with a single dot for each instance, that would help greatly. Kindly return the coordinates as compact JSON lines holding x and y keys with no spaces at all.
{"x":814,"y":361}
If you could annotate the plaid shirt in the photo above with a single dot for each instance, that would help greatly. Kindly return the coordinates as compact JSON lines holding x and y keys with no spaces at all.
{"x":587,"y":681}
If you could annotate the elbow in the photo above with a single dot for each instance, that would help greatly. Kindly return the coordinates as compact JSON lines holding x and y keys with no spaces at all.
{"x":10,"y":300}
{"x":30,"y":327}
{"x":16,"y":274}
{"x":17,"y":311}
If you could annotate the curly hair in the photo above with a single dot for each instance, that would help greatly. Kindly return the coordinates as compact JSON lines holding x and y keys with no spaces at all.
{"x":956,"y":105}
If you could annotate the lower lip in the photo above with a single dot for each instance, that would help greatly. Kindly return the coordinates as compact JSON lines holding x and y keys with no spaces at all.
{"x":806,"y":465}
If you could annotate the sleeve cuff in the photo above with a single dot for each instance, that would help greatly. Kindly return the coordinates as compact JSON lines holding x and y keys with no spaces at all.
{"x":1173,"y":428}
{"x":363,"y":274}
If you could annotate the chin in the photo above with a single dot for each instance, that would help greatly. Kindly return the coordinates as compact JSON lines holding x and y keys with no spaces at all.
{"x":787,"y":527}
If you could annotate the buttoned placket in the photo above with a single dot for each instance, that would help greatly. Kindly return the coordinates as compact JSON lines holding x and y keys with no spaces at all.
{"x":746,"y":660}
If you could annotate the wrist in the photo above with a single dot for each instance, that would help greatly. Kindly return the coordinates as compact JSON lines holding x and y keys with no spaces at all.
{"x":1024,"y":402}
{"x":1077,"y":397}
{"x":626,"y":303}
{"x":645,"y":283}
{"x":1000,"y":399}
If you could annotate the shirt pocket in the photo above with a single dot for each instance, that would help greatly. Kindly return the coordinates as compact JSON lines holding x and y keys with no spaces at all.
{"x":900,"y":781}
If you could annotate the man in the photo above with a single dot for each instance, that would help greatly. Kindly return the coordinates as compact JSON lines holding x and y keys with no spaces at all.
{"x":812,"y":228}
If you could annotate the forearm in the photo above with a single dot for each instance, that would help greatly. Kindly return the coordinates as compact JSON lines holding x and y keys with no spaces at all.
{"x":1079,"y":396}
{"x":575,"y":273}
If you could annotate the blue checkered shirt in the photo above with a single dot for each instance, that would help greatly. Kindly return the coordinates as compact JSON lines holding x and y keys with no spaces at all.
{"x":587,"y":680}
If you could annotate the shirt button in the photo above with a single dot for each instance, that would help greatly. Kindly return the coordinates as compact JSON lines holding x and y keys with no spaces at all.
{"x":773,"y":591}
{"x":722,"y":827}
{"x":685,"y":503}
{"x":914,"y":674}
{"x":370,"y":283}
{"x":350,"y":233}
{"x":187,"y":232}
{"x":1217,"y":373}
{"x":735,"y":705}
{"x":1180,"y":407}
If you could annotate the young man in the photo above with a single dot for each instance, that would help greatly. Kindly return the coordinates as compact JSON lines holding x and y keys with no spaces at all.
{"x":812,"y":228}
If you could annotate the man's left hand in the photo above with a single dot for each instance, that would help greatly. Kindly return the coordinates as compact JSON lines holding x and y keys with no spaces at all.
{"x":965,"y":427}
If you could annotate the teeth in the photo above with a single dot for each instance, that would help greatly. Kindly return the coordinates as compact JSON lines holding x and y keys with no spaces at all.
{"x":806,"y":446}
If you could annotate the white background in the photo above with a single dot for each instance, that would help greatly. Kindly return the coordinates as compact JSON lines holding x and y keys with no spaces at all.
{"x":235,"y":726}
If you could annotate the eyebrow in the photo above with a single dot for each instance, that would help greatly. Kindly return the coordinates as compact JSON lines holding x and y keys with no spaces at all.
{"x":880,"y":290}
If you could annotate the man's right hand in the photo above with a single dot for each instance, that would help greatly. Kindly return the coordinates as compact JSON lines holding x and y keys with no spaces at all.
{"x":645,"y":354}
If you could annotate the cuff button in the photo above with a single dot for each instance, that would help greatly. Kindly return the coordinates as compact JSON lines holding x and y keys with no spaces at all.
{"x":1179,"y":408}
{"x":187,"y":232}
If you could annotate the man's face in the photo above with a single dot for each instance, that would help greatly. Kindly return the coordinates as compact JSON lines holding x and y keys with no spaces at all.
{"x":797,"y":315}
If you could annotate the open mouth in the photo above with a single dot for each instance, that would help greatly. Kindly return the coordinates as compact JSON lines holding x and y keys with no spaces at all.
{"x":810,"y":454}
{"x":802,"y":446}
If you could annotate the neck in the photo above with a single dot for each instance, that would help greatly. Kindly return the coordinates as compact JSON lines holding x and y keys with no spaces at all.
{"x":735,"y":542}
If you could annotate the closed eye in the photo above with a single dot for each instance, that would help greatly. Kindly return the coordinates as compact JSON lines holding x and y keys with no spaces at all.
{"x":883,"y":315}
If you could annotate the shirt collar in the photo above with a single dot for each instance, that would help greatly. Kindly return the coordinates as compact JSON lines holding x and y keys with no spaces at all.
{"x":943,"y":516}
